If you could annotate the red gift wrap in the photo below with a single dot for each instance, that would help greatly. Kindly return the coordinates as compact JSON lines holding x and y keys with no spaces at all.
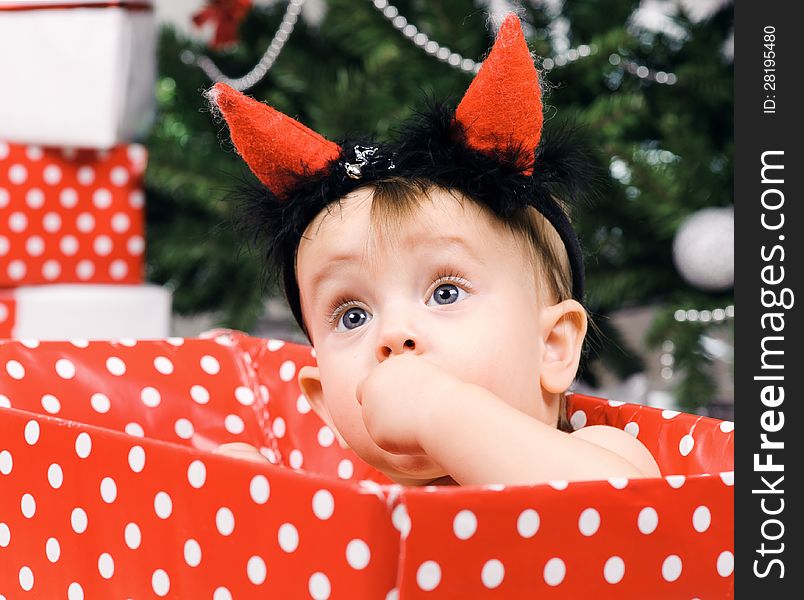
{"x":71,"y":216}
{"x":109,"y":489}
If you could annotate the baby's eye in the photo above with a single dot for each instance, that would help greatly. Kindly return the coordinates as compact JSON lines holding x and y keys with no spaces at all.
{"x":447,"y":293}
{"x":353,"y":318}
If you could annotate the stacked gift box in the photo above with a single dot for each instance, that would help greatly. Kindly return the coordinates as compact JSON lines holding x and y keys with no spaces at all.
{"x":72,"y":240}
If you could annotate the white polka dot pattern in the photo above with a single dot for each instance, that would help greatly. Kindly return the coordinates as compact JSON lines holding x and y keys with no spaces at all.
{"x":527,"y":524}
{"x":589,"y":522}
{"x":725,"y":563}
{"x":75,"y":591}
{"x":288,"y":537}
{"x":100,"y":402}
{"x":648,"y":520}
{"x":197,"y":474}
{"x":108,"y":490}
{"x":32,"y":432}
{"x":346,"y":469}
{"x":51,"y":404}
{"x":701,"y":519}
{"x":614,"y":570}
{"x":53,"y":550}
{"x":671,"y":568}
{"x":578,"y":420}
{"x":160,"y":582}
{"x":224,"y":521}
{"x":492,"y":574}
{"x":256,"y":570}
{"x":358,"y":554}
{"x":28,"y":506}
{"x":323,"y":504}
{"x":259,"y":489}
{"x":138,"y":491}
{"x":618,"y":483}
{"x":69,"y":218}
{"x":26,"y":578}
{"x":184,"y":429}
{"x":134,"y":429}
{"x":163,"y":505}
{"x":554,"y":571}
{"x":83,"y":445}
{"x":78,"y":520}
{"x":192,"y":553}
{"x":221,"y":593}
{"x":133,"y":536}
{"x":464,"y":525}
{"x":428,"y":576}
{"x":401,"y":520}
{"x":55,"y":476}
{"x":319,"y":586}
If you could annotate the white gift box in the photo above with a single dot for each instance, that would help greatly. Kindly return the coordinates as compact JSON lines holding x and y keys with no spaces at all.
{"x":76,"y":73}
{"x":85,"y":311}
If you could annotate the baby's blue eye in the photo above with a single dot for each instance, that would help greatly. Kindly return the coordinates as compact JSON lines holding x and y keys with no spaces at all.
{"x":446,"y":293}
{"x":354,"y":318}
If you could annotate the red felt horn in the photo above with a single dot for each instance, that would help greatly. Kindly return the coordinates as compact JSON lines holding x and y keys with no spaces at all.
{"x":275,"y":147}
{"x":503,"y":105}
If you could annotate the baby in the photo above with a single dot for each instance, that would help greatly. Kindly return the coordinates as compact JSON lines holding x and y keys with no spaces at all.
{"x":439,"y":282}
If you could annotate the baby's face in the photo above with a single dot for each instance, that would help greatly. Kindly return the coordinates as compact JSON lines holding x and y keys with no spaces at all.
{"x":453,"y":281}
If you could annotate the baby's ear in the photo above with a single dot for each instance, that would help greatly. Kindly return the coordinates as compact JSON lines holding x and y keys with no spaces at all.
{"x":310,"y":384}
{"x":563,"y":330}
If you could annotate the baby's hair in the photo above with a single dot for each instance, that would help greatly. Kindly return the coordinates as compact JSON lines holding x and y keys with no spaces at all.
{"x":396,"y":199}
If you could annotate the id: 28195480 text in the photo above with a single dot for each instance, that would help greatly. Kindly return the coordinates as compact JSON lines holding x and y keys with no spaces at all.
{"x":769,"y":69}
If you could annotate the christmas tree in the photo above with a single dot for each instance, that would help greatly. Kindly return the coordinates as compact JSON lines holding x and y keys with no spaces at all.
{"x":652,"y":89}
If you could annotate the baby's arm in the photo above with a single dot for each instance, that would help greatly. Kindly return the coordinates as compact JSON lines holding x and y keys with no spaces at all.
{"x":411,"y":406}
{"x":479,"y":439}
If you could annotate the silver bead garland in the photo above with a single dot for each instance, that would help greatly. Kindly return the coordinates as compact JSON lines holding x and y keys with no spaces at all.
{"x":667,"y":359}
{"x":256,"y":74}
{"x":570,"y":56}
{"x":692,"y":315}
{"x":454,"y":59}
{"x":641,"y":71}
{"x":411,"y":32}
{"x":418,"y":38}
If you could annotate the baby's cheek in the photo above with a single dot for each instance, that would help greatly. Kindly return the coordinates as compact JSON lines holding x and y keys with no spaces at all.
{"x":485,"y":365}
{"x":347,"y":416}
{"x":514,"y":378}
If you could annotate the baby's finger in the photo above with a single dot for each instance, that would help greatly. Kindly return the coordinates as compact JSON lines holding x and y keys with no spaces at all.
{"x":240,"y":450}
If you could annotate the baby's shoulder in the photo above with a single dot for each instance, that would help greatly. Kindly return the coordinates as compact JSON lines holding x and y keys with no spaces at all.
{"x":622,"y":443}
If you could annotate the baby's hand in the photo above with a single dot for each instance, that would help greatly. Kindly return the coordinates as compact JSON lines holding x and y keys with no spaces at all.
{"x":399,"y":397}
{"x":240,"y":450}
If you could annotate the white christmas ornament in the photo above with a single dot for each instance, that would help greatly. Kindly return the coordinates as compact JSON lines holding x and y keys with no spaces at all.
{"x":703,"y":249}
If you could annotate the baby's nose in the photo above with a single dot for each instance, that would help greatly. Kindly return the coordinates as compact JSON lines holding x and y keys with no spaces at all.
{"x":398,"y":345}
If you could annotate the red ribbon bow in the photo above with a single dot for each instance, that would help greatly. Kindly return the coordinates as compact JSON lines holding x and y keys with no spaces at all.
{"x":226,"y":16}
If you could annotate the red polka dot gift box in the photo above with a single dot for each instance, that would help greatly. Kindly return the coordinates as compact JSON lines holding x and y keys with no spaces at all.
{"x":71,"y":216}
{"x":77,"y":72}
{"x":109,"y":489}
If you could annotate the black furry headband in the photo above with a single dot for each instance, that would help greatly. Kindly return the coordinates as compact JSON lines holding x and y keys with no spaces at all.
{"x":430,"y":147}
{"x":491,"y":148}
